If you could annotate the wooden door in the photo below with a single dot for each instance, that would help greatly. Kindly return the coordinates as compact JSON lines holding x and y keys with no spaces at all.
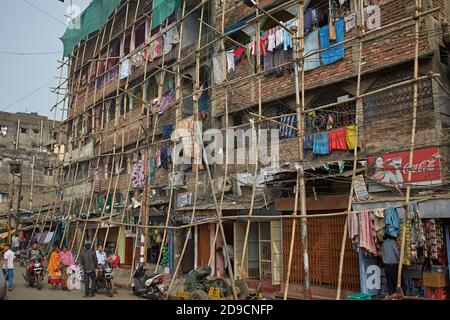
{"x":203,"y":245}
{"x":128,"y":251}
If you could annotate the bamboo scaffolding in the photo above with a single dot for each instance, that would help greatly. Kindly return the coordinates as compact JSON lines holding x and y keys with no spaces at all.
{"x":418,"y":8}
{"x":359,"y":118}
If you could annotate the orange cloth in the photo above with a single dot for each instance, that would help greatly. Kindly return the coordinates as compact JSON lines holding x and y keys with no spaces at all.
{"x":53,"y":265}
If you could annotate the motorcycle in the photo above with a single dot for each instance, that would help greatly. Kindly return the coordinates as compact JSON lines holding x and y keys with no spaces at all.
{"x":151,"y":287}
{"x":35,"y":273}
{"x":104,"y":279}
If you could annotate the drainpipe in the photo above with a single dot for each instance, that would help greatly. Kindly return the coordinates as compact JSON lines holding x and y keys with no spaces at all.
{"x":32,"y":182}
{"x":40,"y":139}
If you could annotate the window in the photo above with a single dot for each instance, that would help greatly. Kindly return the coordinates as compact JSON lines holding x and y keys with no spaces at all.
{"x":127,"y":45}
{"x":15,"y":167}
{"x":139,"y":35}
{"x":36,"y":131}
{"x":24,"y":130}
{"x":48,"y":171}
{"x":4,"y":197}
{"x":112,"y":110}
{"x":443,"y":52}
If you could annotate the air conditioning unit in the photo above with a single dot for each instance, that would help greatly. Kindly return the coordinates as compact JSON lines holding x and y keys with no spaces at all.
{"x":177,"y":178}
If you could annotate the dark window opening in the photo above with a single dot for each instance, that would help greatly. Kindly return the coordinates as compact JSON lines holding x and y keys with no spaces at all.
{"x":443,"y":52}
{"x":127,"y":45}
{"x":15,"y":167}
{"x":112,"y":110}
{"x":23,"y":130}
{"x":139,"y":36}
{"x":36,"y":131}
{"x":48,"y":171}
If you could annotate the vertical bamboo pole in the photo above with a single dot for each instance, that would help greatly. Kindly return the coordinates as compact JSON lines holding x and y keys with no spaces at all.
{"x":300,"y":187}
{"x":418,"y":9}
{"x":256,"y":135}
{"x":358,"y":120}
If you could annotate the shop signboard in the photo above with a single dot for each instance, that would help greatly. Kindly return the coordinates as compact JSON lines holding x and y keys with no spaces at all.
{"x":184,"y":199}
{"x":391,"y":169}
{"x":360,"y":188}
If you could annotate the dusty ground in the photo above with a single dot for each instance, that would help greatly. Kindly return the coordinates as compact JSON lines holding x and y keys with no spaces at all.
{"x":22,"y":292}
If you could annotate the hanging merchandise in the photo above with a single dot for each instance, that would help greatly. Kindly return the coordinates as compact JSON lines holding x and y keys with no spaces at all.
{"x":434,"y":241}
{"x":379,"y":224}
{"x":367,"y":233}
{"x":407,"y":251}
{"x":417,"y":232}
{"x":392,"y":221}
{"x":353,"y":226}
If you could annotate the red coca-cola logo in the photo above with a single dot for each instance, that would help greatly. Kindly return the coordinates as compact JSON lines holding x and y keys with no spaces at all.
{"x":424,"y":166}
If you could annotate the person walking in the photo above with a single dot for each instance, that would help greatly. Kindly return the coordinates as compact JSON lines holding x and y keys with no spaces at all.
{"x":88,"y":261}
{"x":8,"y":265}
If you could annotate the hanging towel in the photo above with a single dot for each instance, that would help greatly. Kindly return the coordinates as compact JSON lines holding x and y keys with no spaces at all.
{"x":312,"y":44}
{"x":367,"y":232}
{"x":338,"y":139}
{"x":125,"y":69}
{"x":336,"y":53}
{"x":217,"y":69}
{"x":392,"y":220}
{"x":320,"y":144}
{"x":230,"y":61}
{"x":350,"y":136}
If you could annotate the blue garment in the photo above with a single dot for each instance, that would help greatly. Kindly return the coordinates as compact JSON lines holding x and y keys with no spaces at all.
{"x":312,"y":44}
{"x":167,"y":130}
{"x":308,"y":142}
{"x":9,"y":274}
{"x":164,"y":162}
{"x":336,"y":53}
{"x":320,"y":144}
{"x":287,"y":36}
{"x":308,"y":20}
{"x":392,"y":221}
{"x":203,"y":102}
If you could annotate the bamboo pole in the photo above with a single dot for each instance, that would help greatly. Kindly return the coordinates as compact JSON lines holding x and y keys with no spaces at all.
{"x":359,"y":118}
{"x":255,"y":135}
{"x":300,"y":101}
{"x":418,"y":8}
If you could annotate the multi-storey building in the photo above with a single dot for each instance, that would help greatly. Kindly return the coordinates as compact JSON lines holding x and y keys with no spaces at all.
{"x":150,"y":67}
{"x":27,"y":163}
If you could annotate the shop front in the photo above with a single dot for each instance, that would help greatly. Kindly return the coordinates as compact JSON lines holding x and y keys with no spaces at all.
{"x":425,"y":272}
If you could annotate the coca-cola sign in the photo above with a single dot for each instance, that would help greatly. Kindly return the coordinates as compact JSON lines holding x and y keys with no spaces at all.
{"x":392,"y":168}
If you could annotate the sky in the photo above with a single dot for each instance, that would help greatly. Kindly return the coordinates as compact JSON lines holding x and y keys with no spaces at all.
{"x":31,"y":26}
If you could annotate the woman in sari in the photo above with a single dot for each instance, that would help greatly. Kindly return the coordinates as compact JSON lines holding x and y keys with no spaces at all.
{"x":66,"y":264}
{"x":54,"y":274}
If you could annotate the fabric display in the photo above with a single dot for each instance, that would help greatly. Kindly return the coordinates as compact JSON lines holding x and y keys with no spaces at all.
{"x":378,"y":220}
{"x":417,"y":231}
{"x":434,"y":241}
{"x":137,"y":178}
{"x":367,"y":234}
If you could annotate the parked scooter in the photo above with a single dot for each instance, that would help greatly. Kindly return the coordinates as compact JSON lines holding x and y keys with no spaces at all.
{"x":104,"y":279}
{"x":151,"y":287}
{"x":35,"y":273}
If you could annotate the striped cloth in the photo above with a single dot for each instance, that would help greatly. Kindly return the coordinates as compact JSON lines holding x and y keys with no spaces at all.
{"x":287,"y":132}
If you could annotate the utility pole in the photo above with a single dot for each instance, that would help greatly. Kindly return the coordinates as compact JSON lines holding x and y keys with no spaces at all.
{"x":11,"y":202}
{"x":32,"y":182}
{"x":19,"y":197}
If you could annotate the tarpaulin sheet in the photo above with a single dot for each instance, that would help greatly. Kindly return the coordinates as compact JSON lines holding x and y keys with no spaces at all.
{"x":90,"y":20}
{"x":162,"y":9}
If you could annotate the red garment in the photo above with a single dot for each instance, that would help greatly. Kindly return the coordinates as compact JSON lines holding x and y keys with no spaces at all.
{"x":263,"y":48}
{"x":337,"y":139}
{"x":239,"y":53}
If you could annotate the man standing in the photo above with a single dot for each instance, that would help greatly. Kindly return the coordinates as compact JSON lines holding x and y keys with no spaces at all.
{"x":8,"y":265}
{"x":15,"y":243}
{"x":391,"y":257}
{"x":88,"y":261}
{"x":101,"y":255}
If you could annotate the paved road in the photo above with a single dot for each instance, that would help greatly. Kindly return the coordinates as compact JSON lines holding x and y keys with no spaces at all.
{"x":22,"y":292}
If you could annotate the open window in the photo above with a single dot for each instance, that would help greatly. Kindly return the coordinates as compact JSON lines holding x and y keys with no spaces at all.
{"x":112,"y":110}
{"x":126,"y":45}
{"x":139,"y":35}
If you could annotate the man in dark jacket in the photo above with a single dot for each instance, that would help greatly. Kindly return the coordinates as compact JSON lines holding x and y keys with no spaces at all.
{"x":88,"y":260}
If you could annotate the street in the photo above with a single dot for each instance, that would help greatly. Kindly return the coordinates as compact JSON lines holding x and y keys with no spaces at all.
{"x":22,"y":292}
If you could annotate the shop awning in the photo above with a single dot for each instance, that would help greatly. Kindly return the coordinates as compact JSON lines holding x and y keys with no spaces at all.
{"x":428,"y":209}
